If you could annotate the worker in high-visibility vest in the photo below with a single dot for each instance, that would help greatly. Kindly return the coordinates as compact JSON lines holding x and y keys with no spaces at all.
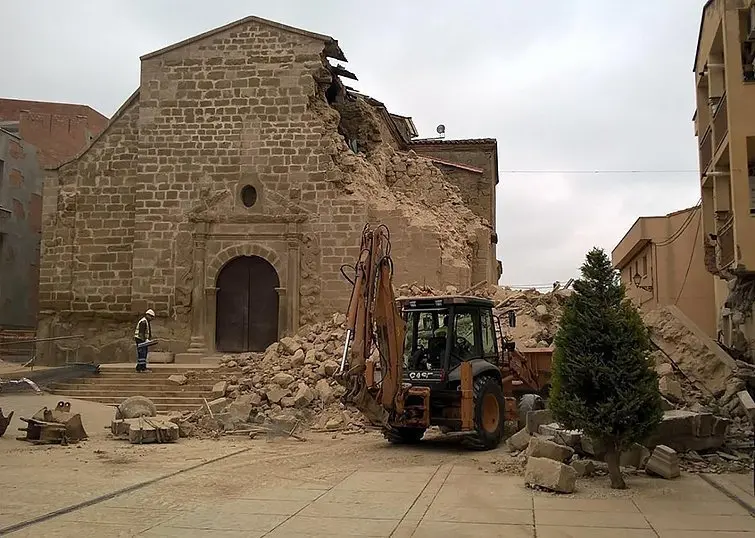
{"x":142,"y":333}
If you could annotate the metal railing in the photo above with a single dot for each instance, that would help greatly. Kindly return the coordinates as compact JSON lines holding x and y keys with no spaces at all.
{"x":28,"y":347}
{"x":720,"y":122}
{"x":706,"y":149}
{"x":726,"y":243}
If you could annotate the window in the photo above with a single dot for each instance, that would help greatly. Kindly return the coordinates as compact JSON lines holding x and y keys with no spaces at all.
{"x":752,"y":190}
{"x":488,"y":333}
{"x":248,"y":196}
{"x":465,"y":345}
{"x":645,"y":265}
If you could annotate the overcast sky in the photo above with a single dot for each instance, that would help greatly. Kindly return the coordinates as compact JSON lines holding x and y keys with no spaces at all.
{"x":577,"y":85}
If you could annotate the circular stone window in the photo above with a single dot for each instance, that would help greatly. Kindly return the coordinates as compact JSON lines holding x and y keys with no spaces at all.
{"x":248,"y":196}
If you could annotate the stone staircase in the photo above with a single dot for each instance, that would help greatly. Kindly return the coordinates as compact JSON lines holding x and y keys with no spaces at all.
{"x":115,"y":383}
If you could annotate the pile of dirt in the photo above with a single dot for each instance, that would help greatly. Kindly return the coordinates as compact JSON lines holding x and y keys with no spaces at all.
{"x":289,"y":386}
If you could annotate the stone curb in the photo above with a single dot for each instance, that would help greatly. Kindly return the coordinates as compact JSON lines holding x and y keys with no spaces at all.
{"x":731,"y":491}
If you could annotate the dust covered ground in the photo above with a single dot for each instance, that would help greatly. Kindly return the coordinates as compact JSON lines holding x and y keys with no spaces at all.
{"x":332,"y":484}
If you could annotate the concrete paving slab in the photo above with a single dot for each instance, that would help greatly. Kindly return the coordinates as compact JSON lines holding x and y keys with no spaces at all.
{"x":374,"y":497}
{"x":593,"y":532}
{"x":117,"y":516}
{"x":281,"y":494}
{"x":705,"y":534}
{"x":264,"y":507}
{"x":358,"y":509}
{"x":707,"y":522}
{"x":435,"y":529}
{"x":667,"y":506}
{"x":475,"y":514}
{"x":372,"y":481}
{"x":585,"y":505}
{"x":211,"y":518}
{"x":331,"y":526}
{"x":484,"y":497}
{"x":565,"y":518}
{"x":165,"y":531}
{"x":76,"y":529}
{"x":428,"y":494}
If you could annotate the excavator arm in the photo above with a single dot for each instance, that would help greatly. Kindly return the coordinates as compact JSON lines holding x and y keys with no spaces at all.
{"x":373,"y":317}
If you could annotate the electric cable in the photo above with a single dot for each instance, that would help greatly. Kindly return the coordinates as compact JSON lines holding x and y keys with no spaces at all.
{"x":673,"y":237}
{"x":691,"y":256}
{"x":680,"y":171}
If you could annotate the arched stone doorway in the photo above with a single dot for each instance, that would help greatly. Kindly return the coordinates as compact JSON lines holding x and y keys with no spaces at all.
{"x":247,"y":305}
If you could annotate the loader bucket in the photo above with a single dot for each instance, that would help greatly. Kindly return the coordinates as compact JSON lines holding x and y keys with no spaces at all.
{"x":4,"y":421}
{"x":55,"y":426}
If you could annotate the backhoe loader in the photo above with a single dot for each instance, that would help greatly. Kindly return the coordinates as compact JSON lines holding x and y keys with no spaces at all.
{"x":439,"y":360}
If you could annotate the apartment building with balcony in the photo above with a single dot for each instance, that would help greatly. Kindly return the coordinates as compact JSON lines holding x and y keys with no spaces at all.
{"x":725,"y":127}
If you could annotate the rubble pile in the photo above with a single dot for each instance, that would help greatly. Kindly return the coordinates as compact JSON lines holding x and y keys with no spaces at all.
{"x":537,"y":313}
{"x":289,"y":385}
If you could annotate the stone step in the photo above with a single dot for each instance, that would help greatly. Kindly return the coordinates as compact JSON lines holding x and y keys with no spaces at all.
{"x":148,"y":387}
{"x":125,"y":392}
{"x":189,"y":403}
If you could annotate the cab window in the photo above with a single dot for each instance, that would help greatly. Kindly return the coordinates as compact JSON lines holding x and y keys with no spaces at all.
{"x":465,"y":345}
{"x":487,"y":331}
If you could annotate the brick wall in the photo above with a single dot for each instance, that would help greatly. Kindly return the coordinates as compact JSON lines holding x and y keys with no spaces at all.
{"x":60,"y":131}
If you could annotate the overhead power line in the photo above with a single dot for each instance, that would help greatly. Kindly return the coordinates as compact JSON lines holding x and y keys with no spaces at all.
{"x":680,"y":171}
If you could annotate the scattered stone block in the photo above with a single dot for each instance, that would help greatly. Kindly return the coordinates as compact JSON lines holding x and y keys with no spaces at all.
{"x":185,"y":429}
{"x":664,"y":369}
{"x":584,"y":468}
{"x":152,"y":430}
{"x":283,"y":379}
{"x":325,"y":391}
{"x":671,"y":389}
{"x":219,"y":389}
{"x":157,"y":429}
{"x":298,"y":358}
{"x":304,"y":396}
{"x":635,"y":456}
{"x":276,"y":394}
{"x":535,"y":419}
{"x":136,"y":406}
{"x":542,"y":448}
{"x":178,"y":379}
{"x":331,"y":367}
{"x":664,"y":462}
{"x":289,"y":346}
{"x":218,"y":404}
{"x":685,"y":430}
{"x":747,"y":403}
{"x":550,"y":474}
{"x":520,"y":440}
{"x":572,"y":438}
{"x":287,"y":401}
{"x":242,"y":407}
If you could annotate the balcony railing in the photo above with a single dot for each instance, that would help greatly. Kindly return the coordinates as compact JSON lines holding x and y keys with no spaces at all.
{"x":720,"y":122}
{"x":726,"y":243}
{"x":706,"y":150}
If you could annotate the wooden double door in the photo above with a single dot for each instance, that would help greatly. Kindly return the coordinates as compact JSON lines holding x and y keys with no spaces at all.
{"x":247,"y":305}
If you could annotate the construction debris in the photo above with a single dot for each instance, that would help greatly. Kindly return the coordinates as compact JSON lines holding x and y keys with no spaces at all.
{"x":4,"y":421}
{"x":540,"y":447}
{"x":664,"y":463}
{"x":135,"y":407}
{"x":56,"y":426}
{"x":550,"y":474}
{"x":143,"y":429}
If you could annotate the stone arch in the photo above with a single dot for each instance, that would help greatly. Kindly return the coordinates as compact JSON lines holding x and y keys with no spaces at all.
{"x":246,"y":249}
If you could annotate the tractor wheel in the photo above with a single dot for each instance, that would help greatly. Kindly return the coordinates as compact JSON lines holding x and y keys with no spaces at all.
{"x":489,"y":414}
{"x":403,"y":436}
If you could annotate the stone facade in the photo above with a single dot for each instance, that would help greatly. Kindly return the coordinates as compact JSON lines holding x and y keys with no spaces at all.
{"x":240,"y":143}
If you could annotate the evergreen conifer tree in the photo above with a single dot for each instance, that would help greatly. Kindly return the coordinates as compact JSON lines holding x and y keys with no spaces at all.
{"x":603,"y":380}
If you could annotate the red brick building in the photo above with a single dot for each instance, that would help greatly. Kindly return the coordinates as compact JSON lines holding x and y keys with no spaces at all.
{"x":60,"y":131}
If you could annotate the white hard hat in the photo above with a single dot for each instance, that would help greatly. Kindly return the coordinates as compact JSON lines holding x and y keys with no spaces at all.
{"x":150,"y":312}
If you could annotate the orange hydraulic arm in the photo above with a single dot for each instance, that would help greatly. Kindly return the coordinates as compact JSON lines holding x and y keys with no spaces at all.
{"x":373,"y":314}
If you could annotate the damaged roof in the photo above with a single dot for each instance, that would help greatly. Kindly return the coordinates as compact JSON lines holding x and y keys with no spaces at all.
{"x":332,"y":49}
{"x":429,"y":141}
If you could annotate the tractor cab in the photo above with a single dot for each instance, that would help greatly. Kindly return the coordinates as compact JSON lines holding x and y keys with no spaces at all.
{"x":444,"y":332}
